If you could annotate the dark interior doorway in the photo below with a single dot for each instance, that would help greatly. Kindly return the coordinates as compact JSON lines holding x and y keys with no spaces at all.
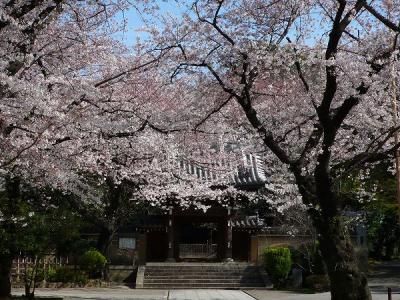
{"x":156,"y":246}
{"x":241,"y":245}
{"x":198,"y":233}
{"x":197,"y":239}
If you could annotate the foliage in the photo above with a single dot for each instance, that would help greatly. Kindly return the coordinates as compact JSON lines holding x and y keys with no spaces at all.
{"x":379,"y":203}
{"x":383,"y":213}
{"x":93,"y":262}
{"x":66,"y":275}
{"x":41,"y":225}
{"x":384,"y":233}
{"x":308,"y":257}
{"x":277,"y":262}
{"x":75,"y":101}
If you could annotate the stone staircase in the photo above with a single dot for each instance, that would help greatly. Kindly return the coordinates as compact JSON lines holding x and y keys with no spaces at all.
{"x":201,"y":275}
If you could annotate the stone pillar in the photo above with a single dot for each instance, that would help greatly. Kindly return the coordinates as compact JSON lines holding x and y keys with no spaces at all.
{"x":170,"y":231}
{"x":228,"y":251}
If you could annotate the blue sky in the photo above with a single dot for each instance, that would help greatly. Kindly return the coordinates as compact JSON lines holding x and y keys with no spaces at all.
{"x":135,"y":21}
{"x":171,"y":7}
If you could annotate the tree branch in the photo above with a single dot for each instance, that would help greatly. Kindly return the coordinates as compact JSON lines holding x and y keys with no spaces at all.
{"x":381,"y":18}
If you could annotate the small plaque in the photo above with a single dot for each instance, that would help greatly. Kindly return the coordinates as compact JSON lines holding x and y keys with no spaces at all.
{"x":127,"y":243}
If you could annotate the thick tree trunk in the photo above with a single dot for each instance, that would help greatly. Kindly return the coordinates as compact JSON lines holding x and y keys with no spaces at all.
{"x":5,"y":276}
{"x":103,"y":245}
{"x":348,"y":282}
{"x":12,"y":187}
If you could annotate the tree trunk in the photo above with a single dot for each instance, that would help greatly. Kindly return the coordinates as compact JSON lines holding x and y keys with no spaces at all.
{"x":5,"y":276}
{"x":12,"y":187}
{"x":348,"y":282}
{"x":103,"y":245}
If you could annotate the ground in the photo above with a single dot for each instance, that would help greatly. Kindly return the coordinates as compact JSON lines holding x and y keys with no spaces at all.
{"x":381,"y":277}
{"x":124,"y":293}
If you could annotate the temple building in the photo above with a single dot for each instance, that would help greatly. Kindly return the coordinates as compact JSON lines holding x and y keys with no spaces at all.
{"x":218,"y":247}
{"x":218,"y":234}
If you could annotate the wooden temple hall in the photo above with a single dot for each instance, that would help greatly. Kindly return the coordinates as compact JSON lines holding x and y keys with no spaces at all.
{"x":192,"y":235}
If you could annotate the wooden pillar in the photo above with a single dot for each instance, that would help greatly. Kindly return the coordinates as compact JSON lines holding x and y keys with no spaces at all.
{"x":228,"y":250}
{"x":170,"y":255}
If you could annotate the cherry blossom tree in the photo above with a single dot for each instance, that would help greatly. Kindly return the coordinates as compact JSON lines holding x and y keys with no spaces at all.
{"x":76,"y":103}
{"x":57,"y":58}
{"x":75,"y":115}
{"x":308,"y":83}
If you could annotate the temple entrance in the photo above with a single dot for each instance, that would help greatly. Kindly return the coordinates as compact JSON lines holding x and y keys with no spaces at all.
{"x":157,"y":246}
{"x":241,"y":244}
{"x":197,"y":240}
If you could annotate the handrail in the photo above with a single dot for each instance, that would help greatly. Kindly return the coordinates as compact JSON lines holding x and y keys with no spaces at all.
{"x":198,"y":250}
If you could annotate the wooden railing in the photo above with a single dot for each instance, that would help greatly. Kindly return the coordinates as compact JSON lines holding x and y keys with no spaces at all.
{"x":198,"y":250}
{"x":20,"y":263}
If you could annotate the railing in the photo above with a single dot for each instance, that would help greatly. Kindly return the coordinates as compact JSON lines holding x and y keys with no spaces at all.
{"x":198,"y":250}
{"x":20,"y":263}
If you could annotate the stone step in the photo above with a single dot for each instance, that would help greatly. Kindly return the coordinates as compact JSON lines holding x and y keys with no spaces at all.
{"x":181,"y":275}
{"x":146,"y":275}
{"x":202,"y":273}
{"x":202,"y":286}
{"x":225,"y":267}
{"x":200,"y":268}
{"x":179,"y":280}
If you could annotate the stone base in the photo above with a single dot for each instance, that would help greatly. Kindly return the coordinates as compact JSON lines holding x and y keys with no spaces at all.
{"x":171,"y":259}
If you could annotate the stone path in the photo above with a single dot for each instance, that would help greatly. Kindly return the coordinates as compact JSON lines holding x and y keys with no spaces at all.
{"x":123,"y":293}
{"x":120,"y":293}
{"x":284,"y":295}
{"x":208,"y":295}
{"x":384,"y":275}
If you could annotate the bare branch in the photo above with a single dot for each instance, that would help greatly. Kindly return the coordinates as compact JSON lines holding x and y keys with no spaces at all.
{"x":214,"y":22}
{"x":381,"y":18}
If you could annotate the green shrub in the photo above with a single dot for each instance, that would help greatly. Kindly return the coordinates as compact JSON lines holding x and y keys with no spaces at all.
{"x":51,"y":275}
{"x":93,"y":262}
{"x":66,"y":275}
{"x":81,"y":278}
{"x":39,"y":276}
{"x":62,"y":274}
{"x":278,"y":263}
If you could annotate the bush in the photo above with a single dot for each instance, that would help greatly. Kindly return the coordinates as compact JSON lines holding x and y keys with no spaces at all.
{"x":66,"y":275}
{"x":93,"y":262}
{"x":50,"y":274}
{"x":39,"y":276}
{"x":80,"y":278}
{"x":61,"y":274}
{"x":278,"y":263}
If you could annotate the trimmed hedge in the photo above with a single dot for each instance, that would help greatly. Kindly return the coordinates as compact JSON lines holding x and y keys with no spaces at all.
{"x":278,"y":262}
{"x":66,"y":275}
{"x":93,"y":262}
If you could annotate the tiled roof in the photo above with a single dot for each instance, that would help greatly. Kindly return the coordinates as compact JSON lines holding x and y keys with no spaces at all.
{"x":249,"y":173}
{"x":246,"y":222}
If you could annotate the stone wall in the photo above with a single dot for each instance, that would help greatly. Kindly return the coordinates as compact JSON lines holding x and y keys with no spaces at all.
{"x":260,"y":242}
